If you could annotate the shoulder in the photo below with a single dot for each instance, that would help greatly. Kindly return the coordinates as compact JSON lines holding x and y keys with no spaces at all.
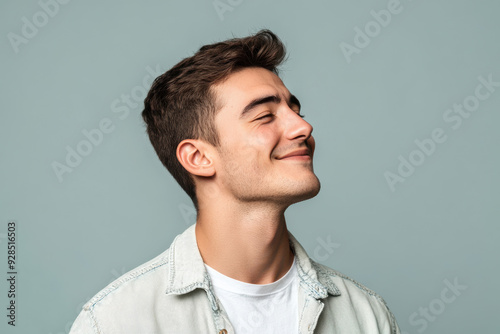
{"x":327,"y":276}
{"x":152,"y":274}
{"x":137,"y":288}
{"x":356,"y":296}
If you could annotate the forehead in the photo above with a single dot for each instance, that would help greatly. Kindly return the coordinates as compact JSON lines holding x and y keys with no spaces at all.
{"x":244,"y":85}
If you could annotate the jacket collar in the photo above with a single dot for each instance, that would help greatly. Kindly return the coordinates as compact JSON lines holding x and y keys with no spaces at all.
{"x":186,"y":270}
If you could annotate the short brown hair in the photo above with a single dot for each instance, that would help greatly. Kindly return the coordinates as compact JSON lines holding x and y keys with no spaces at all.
{"x":181,"y":105}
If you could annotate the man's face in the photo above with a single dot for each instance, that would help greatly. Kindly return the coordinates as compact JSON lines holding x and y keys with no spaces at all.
{"x":266,"y":148}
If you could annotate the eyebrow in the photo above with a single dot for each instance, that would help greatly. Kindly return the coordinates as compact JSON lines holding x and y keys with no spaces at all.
{"x":293,"y":100}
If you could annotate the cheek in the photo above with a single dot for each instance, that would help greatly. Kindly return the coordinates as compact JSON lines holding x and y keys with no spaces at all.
{"x":251,"y":146}
{"x":237,"y":158}
{"x":255,"y":140}
{"x":267,"y":139}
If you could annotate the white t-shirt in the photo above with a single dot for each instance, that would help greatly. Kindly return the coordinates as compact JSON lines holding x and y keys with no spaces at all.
{"x":259,"y":308}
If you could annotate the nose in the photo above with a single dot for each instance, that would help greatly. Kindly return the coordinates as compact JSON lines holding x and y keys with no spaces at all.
{"x":297,"y":127}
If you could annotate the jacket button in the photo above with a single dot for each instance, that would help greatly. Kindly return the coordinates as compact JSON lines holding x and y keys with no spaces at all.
{"x":223,"y":331}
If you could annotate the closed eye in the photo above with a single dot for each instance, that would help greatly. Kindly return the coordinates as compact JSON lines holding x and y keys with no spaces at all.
{"x":264,"y":116}
{"x":272,"y":115}
{"x":296,"y":109}
{"x":299,"y":114}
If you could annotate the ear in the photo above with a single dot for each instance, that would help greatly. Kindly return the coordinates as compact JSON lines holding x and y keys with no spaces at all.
{"x":195,"y":156}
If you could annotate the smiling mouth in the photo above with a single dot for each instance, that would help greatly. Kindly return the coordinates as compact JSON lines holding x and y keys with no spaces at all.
{"x":301,"y":154}
{"x":302,"y":157}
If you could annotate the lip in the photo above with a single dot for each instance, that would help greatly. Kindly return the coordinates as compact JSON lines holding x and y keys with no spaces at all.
{"x":302,"y":154}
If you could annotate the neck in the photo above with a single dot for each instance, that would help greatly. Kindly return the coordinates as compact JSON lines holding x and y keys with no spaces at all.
{"x":247,"y":242}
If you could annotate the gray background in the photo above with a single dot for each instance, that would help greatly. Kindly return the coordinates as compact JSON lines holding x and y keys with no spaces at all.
{"x":119,"y":207}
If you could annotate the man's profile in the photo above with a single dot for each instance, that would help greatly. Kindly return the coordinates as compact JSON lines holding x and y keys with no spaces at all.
{"x":232,"y":135}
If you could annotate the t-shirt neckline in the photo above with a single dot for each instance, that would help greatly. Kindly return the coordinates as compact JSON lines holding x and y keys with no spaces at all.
{"x":226,"y":283}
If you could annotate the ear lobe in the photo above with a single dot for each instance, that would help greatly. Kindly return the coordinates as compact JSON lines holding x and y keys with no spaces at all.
{"x":194,"y":156}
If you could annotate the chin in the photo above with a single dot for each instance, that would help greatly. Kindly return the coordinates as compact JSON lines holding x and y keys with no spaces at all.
{"x":305,"y":191}
{"x":313,"y":190}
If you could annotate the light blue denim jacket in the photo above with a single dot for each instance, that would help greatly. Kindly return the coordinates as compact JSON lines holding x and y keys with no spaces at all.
{"x":172,"y":293}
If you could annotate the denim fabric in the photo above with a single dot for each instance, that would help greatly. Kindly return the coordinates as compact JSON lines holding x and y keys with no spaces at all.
{"x":172,"y":293}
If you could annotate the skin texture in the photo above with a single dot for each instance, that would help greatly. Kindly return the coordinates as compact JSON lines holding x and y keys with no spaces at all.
{"x":245,"y":185}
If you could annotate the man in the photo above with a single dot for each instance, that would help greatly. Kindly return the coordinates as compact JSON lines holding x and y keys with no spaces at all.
{"x":231,"y":134}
